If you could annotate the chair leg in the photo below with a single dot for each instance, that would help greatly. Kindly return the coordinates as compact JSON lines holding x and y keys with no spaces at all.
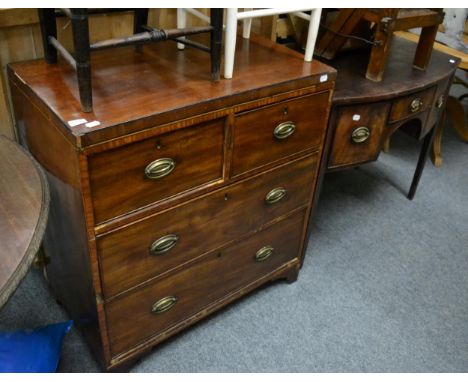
{"x":140,"y":18}
{"x":378,"y":56}
{"x":247,"y":25}
{"x":216,"y":21}
{"x":230,"y":42}
{"x":48,"y":28}
{"x":424,"y":48}
{"x":181,"y":24}
{"x":83,"y":65}
{"x":314,"y":23}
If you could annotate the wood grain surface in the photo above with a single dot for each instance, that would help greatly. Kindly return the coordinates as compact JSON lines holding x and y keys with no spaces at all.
{"x":159,"y":84}
{"x":400,"y":77}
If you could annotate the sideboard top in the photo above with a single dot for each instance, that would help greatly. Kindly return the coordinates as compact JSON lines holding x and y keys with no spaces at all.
{"x":160,"y":84}
{"x":400,"y":77}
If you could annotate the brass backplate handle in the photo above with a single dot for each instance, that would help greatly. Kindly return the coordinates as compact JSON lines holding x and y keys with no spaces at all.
{"x":440,"y":101}
{"x":163,"y":305}
{"x":284,"y":130}
{"x":264,"y":253}
{"x":275,"y":195}
{"x":160,"y":168}
{"x":361,"y":134}
{"x":163,"y":244}
{"x":416,"y":105}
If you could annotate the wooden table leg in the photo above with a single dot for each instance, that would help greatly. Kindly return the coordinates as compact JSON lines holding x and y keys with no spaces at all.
{"x":386,"y":146}
{"x":436,"y":153}
{"x":427,"y":142}
{"x":456,"y":113}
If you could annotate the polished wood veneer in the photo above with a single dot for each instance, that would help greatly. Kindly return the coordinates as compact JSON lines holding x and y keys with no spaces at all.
{"x":200,"y":225}
{"x":208,"y":280}
{"x":307,"y":114}
{"x":182,"y":198}
{"x":118,"y":182}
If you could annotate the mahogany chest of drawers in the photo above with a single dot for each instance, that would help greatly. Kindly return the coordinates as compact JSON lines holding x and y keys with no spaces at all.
{"x":177,"y":195}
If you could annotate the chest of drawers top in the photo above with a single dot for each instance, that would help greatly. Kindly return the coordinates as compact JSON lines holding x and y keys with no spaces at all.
{"x":137,"y":90}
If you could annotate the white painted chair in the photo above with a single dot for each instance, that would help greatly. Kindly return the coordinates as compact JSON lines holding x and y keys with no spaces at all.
{"x":233,"y":15}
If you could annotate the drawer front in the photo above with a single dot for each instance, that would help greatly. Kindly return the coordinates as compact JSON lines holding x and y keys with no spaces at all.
{"x":187,"y":231}
{"x":133,"y":176}
{"x":410,"y":105}
{"x":275,"y":132}
{"x":440,"y":99}
{"x":160,"y":305}
{"x":358,"y":133}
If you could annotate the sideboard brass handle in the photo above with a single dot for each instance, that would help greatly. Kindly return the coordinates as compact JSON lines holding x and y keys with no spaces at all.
{"x":160,"y":168}
{"x":284,"y":130}
{"x":264,"y":253}
{"x":163,"y":305}
{"x":360,"y":135}
{"x":163,"y":244}
{"x":275,"y":195}
{"x":416,"y":105}
{"x":440,"y":101}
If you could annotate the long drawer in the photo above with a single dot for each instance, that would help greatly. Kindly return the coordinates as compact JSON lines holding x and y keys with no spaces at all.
{"x":411,"y":105}
{"x":135,"y":175}
{"x":135,"y":253}
{"x":272,"y":133}
{"x":156,"y":307}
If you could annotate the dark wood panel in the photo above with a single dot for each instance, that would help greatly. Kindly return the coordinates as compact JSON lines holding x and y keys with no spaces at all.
{"x":411,"y":105}
{"x":200,"y":225}
{"x":255,"y":144}
{"x":344,"y":150}
{"x":131,"y":319}
{"x":117,"y":177}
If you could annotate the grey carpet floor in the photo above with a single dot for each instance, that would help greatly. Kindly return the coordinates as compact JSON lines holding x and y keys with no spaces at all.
{"x":384,"y":287}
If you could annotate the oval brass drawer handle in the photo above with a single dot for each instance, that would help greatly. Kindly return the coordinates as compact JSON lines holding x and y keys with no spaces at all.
{"x":360,"y":135}
{"x":264,"y":253}
{"x":275,"y":195}
{"x":163,"y":244}
{"x":160,"y":168}
{"x":416,"y":105}
{"x":284,"y":130}
{"x":163,"y":305}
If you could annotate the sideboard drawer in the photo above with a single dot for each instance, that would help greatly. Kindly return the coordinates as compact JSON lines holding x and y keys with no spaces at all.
{"x":358,"y":133}
{"x":135,"y":175}
{"x":411,"y":105}
{"x":180,"y":234}
{"x":275,"y":132}
{"x":158,"y":306}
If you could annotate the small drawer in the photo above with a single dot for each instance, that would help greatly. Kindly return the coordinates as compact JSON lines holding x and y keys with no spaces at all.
{"x":140,"y":251}
{"x":410,"y":105}
{"x":275,"y":132}
{"x":136,"y":175}
{"x":167,"y":302}
{"x":358,"y":133}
